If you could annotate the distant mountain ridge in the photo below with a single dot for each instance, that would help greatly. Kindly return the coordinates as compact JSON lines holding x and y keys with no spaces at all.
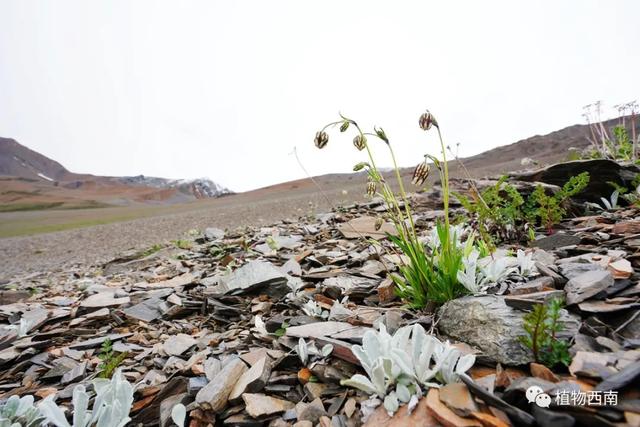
{"x":30,"y":180}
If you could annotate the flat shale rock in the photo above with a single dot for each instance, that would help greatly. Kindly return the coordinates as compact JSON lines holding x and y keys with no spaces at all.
{"x":575,"y":269}
{"x":457,"y":397}
{"x":337,"y":330}
{"x":420,"y":416}
{"x":253,"y":276}
{"x":175,"y":345}
{"x":586,"y":285}
{"x":557,"y":240}
{"x":253,"y":380}
{"x":442,"y":413}
{"x":212,"y":233}
{"x":104,"y":299}
{"x":214,"y":396}
{"x":260,"y":405}
{"x":489,"y":324}
{"x":366,"y":226}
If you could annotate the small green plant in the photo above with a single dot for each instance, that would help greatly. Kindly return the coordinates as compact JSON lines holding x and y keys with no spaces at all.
{"x":497,"y":211}
{"x":542,"y":326}
{"x":620,"y":146}
{"x":110,"y":359}
{"x":429,"y":275}
{"x":548,"y":210}
{"x":150,"y":250}
{"x":281,"y":330}
{"x":183,"y":244}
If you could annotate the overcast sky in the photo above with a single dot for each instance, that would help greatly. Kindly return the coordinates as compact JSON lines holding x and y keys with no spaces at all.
{"x":226,"y":89}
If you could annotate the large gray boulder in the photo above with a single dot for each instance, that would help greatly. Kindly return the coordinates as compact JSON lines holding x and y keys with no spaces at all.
{"x":489,"y":324}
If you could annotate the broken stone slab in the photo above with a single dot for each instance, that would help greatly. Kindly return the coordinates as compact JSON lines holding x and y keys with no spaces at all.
{"x":574,"y":269}
{"x":253,"y":276}
{"x":212,"y":233}
{"x":420,"y":416}
{"x":630,"y":374}
{"x":175,"y":282}
{"x":621,"y":269}
{"x":488,"y":323}
{"x":457,"y":397}
{"x":537,"y":285}
{"x":336,"y":330}
{"x":175,"y":345}
{"x":586,"y":285}
{"x":516,"y":415}
{"x":253,"y":380}
{"x":527,"y":301}
{"x":593,"y":365}
{"x":13,"y":296}
{"x":78,"y":372}
{"x":546,"y":417}
{"x":104,"y":299}
{"x":312,"y":411}
{"x":604,"y":306}
{"x":215,"y":395}
{"x":146,"y":311}
{"x":556,"y":240}
{"x":445,"y":415}
{"x":97,"y":342}
{"x":365,"y":226}
{"x":260,"y":405}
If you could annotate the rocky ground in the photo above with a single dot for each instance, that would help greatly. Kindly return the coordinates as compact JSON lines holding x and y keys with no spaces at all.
{"x":258,"y":326}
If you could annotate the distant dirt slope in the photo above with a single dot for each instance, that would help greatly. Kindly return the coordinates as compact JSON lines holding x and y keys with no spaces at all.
{"x":544,"y":149}
{"x":20,"y":161}
{"x":32,"y":181}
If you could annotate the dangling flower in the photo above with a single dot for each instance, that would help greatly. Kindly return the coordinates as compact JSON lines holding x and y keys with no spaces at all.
{"x":321,"y":139}
{"x":361,"y":166}
{"x":381,"y":134}
{"x":420,"y":174}
{"x":378,"y":223}
{"x":360,"y":141}
{"x":371,"y":188}
{"x":427,"y":120}
{"x":344,"y":126}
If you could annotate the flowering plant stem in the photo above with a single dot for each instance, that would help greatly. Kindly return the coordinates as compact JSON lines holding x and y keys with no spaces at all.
{"x":426,"y":275}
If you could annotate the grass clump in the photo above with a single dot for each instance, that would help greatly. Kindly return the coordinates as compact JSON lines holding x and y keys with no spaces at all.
{"x":542,"y":325}
{"x":431,"y":273}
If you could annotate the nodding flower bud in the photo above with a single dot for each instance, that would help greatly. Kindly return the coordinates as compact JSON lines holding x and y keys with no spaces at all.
{"x":378,"y":223}
{"x":344,"y":126}
{"x":321,"y":139}
{"x":361,"y":166}
{"x":427,"y":120}
{"x":360,"y":142}
{"x":371,"y":188}
{"x":381,"y":134}
{"x":420,"y":174}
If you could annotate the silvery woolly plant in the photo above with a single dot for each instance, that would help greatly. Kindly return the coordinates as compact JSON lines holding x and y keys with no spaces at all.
{"x":478,"y":275}
{"x":111,"y":406}
{"x":400,"y":366}
{"x":20,"y":412}
{"x":430,"y":275}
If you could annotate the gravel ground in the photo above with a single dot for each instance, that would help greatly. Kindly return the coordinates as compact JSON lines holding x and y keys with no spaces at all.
{"x":94,"y":245}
